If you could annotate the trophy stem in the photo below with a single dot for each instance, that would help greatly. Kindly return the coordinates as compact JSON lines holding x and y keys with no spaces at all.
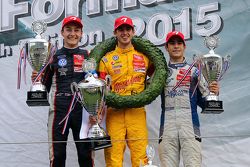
{"x":150,"y":162}
{"x":38,"y":36}
{"x":212,"y":97}
{"x":37,"y":86}
{"x":211,"y":51}
{"x":95,"y":131}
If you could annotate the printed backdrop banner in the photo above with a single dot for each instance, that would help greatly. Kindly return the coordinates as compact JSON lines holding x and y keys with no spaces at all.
{"x":226,"y":137}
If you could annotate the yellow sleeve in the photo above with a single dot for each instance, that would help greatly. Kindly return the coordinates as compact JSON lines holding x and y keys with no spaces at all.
{"x":102,"y":69}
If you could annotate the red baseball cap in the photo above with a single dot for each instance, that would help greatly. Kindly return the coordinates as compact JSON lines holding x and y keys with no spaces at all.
{"x":177,"y":34}
{"x":122,"y":21}
{"x":72,"y":19}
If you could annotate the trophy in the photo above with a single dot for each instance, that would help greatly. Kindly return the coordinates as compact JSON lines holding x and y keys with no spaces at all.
{"x":38,"y":52}
{"x":213,"y":67}
{"x":150,"y":151}
{"x":92,"y":92}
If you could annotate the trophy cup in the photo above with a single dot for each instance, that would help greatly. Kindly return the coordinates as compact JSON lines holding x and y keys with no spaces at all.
{"x":150,"y":151}
{"x":213,"y":67}
{"x":92,"y":93}
{"x":38,"y":55}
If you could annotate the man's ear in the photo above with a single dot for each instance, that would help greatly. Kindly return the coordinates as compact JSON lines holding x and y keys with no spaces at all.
{"x":166,"y":47}
{"x":133,"y":30}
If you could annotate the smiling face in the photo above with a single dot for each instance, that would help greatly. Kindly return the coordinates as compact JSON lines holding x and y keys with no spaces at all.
{"x":72,"y":34}
{"x":175,"y":48}
{"x":124,"y":34}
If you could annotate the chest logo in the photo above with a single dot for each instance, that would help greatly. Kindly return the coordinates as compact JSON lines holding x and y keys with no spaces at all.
{"x":115,"y":57}
{"x":78,"y":60}
{"x":62,"y":62}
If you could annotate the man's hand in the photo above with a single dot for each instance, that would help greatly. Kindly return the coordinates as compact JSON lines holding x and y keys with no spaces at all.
{"x":214,"y":87}
{"x":92,"y":120}
{"x":34,"y":75}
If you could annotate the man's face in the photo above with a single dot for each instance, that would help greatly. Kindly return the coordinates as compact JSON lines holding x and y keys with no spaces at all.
{"x":124,"y":34}
{"x":72,"y":34}
{"x":175,"y":48}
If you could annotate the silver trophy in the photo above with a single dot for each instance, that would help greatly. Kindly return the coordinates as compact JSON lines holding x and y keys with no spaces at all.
{"x":150,"y":151}
{"x":213,"y":67}
{"x":92,"y":93}
{"x":38,"y":54}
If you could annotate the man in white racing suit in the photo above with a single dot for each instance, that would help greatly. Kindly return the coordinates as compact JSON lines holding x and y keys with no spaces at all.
{"x":179,"y":127}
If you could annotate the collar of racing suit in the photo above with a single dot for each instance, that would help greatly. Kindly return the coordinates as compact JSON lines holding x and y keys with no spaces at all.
{"x":177,"y":65}
{"x":122,"y":51}
{"x":70,"y":50}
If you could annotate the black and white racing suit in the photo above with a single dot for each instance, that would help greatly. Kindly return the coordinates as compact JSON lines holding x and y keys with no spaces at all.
{"x":180,"y":127}
{"x":65,"y":69}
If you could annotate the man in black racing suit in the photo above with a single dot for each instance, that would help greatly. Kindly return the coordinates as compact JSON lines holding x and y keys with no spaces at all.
{"x":65,"y":68}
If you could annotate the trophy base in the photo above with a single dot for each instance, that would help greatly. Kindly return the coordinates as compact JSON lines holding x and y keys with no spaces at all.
{"x":100,"y":143}
{"x":213,"y":107}
{"x":37,"y":98}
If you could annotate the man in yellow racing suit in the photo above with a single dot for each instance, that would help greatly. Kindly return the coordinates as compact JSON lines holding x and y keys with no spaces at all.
{"x":128,"y":69}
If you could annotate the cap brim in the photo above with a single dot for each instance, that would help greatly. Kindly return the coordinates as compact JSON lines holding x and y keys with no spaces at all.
{"x":74,"y":22}
{"x":123,"y":24}
{"x":178,"y":37}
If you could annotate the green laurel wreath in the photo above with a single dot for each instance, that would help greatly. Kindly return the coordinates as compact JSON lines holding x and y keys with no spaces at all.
{"x":157,"y":83}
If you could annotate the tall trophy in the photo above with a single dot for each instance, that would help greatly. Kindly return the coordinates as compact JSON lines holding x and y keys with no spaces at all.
{"x":213,"y":67}
{"x":150,"y":151}
{"x":92,"y":92}
{"x":38,"y":52}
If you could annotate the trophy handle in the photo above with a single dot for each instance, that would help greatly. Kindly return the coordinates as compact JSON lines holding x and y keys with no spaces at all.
{"x":74,"y":87}
{"x":225,"y":66}
{"x":197,"y":60}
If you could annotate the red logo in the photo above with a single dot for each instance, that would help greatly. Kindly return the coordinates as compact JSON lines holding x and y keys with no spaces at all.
{"x":78,"y":60}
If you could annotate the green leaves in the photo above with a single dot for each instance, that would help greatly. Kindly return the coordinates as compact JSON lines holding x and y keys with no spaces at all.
{"x":157,"y":84}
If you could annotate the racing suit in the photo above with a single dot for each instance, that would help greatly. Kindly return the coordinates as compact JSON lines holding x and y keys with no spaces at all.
{"x":128,"y":70}
{"x":179,"y":127}
{"x":65,"y":68}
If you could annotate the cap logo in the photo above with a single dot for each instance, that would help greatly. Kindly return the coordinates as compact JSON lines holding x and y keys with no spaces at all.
{"x":73,"y":18}
{"x":124,"y":19}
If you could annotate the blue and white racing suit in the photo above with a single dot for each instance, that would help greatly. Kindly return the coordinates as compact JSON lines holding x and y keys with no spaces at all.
{"x":180,"y":127}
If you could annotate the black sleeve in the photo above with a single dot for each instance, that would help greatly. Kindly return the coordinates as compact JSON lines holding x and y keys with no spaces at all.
{"x":47,"y":77}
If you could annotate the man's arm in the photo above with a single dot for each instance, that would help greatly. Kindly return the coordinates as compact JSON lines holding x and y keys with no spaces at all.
{"x":103,"y":72}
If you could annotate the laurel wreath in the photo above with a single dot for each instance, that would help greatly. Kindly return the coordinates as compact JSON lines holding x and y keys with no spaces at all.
{"x":151,"y":92}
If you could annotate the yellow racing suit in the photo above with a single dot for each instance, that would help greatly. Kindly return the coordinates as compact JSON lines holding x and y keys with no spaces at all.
{"x":128,"y":70}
